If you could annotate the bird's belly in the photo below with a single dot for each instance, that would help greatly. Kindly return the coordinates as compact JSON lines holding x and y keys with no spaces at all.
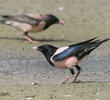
{"x":38,"y":28}
{"x":66,"y":63}
{"x":24,"y":27}
{"x":27,"y":27}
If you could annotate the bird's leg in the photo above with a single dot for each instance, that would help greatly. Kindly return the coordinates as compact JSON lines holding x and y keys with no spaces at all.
{"x":27,"y":37}
{"x":79,"y":70}
{"x":72,"y":72}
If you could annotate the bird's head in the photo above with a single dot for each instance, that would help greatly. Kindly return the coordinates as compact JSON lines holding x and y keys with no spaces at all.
{"x":53,"y":19}
{"x":46,"y":49}
{"x":42,"y":48}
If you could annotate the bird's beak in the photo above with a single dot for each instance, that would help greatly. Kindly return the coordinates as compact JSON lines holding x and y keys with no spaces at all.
{"x":34,"y":48}
{"x":61,"y":22}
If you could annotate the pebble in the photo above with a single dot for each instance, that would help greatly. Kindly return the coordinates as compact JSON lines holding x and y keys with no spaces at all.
{"x":61,"y":8}
{"x":34,"y":83}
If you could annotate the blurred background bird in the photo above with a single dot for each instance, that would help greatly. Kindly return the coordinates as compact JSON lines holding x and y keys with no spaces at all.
{"x":31,"y":23}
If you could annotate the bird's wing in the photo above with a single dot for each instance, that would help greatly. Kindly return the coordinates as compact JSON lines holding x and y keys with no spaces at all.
{"x":22,"y":18}
{"x":72,"y":50}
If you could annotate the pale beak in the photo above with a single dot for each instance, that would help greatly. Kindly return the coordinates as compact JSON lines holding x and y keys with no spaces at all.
{"x":61,"y":22}
{"x":34,"y":48}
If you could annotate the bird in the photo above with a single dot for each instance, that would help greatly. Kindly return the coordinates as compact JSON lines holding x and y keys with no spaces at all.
{"x":70,"y":56}
{"x":30,"y":23}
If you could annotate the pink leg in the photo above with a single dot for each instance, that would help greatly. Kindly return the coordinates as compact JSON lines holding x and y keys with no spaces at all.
{"x":67,"y":79}
{"x":30,"y":39}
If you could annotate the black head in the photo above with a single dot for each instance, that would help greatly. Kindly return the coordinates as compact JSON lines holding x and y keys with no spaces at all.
{"x":51,"y":19}
{"x":47,"y":50}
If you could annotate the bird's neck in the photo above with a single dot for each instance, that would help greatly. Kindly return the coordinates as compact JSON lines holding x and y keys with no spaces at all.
{"x":48,"y":22}
{"x":49,"y":54}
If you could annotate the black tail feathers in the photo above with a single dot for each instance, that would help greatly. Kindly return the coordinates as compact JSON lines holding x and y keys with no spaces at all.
{"x":5,"y":16}
{"x":96,"y":43}
{"x":2,"y":21}
{"x":84,"y":42}
{"x":93,"y":45}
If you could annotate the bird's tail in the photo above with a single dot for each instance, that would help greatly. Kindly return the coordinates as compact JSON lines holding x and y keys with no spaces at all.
{"x":6,"y":16}
{"x":2,"y":21}
{"x":93,"y":45}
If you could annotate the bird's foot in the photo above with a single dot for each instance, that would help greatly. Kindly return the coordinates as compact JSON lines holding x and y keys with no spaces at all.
{"x":63,"y":82}
{"x":76,"y":81}
{"x":32,"y":41}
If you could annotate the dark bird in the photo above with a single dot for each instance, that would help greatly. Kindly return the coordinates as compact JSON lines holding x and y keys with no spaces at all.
{"x":69,"y":56}
{"x":30,"y":23}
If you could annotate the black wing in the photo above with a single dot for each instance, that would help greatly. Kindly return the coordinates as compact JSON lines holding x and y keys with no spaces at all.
{"x":73,"y":50}
{"x":67,"y":53}
{"x":22,"y":19}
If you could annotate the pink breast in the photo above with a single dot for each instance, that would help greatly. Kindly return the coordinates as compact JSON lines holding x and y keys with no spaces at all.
{"x":66,"y":63}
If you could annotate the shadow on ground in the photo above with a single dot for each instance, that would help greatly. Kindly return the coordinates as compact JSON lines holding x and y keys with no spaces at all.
{"x":40,"y":40}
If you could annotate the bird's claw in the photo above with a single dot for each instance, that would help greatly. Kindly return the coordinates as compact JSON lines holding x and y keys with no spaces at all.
{"x":33,"y":41}
{"x":74,"y":81}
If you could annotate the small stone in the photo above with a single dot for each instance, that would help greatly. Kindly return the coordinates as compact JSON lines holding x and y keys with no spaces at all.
{"x":61,"y":8}
{"x":51,"y":97}
{"x":29,"y":97}
{"x":34,"y":83}
{"x":4,"y":94}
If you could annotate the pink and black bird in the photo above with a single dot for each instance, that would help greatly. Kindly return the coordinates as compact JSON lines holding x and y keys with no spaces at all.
{"x":30,"y":23}
{"x":69,"y":56}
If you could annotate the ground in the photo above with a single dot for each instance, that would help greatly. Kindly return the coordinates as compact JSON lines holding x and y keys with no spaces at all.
{"x":20,"y":66}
